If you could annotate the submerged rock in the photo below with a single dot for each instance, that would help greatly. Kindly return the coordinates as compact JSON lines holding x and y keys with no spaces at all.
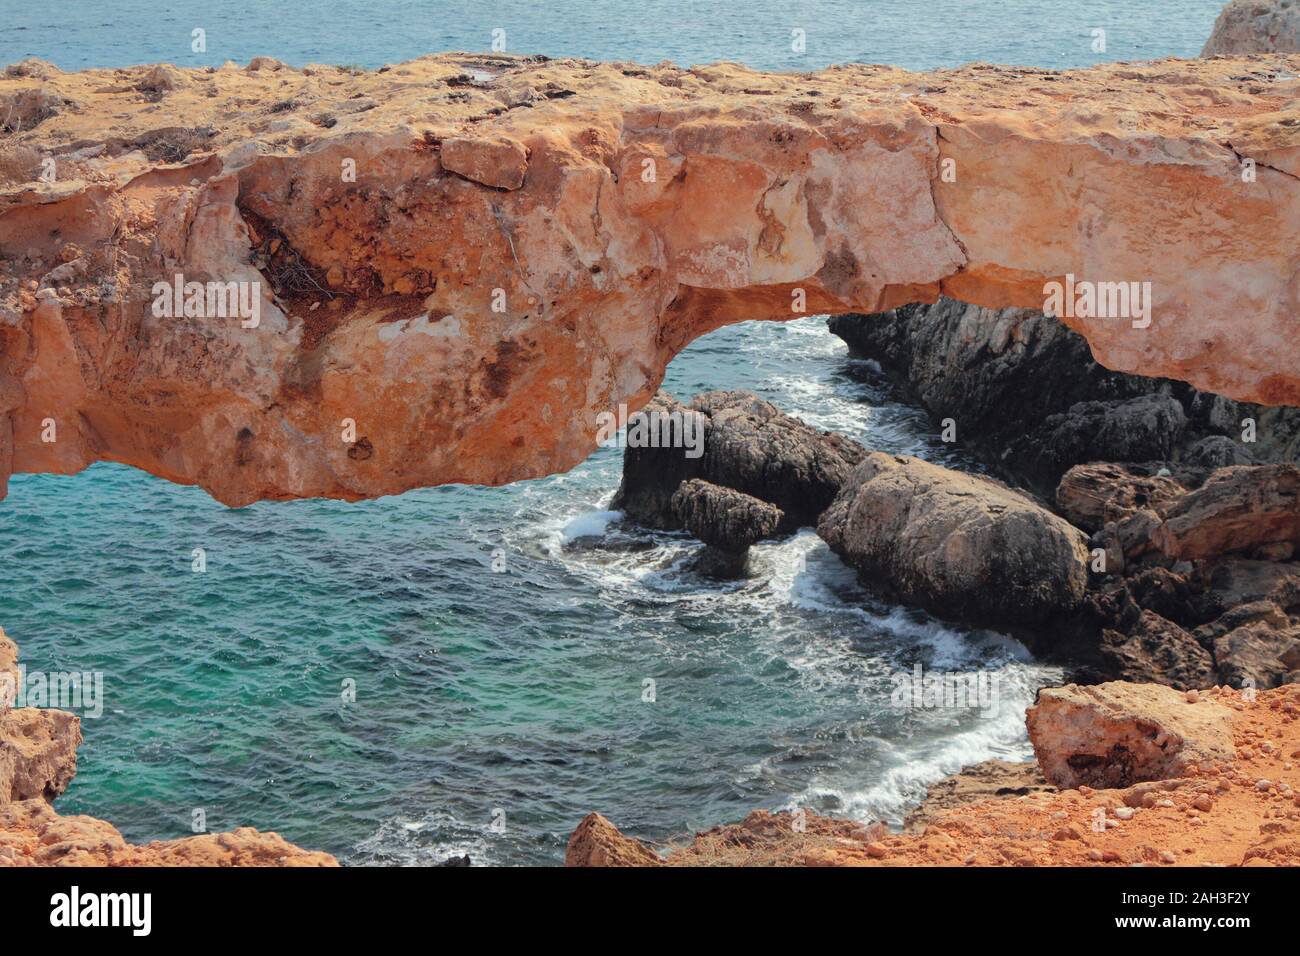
{"x":964,"y":547}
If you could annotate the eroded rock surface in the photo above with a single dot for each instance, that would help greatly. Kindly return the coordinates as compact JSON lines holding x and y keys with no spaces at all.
{"x":597,"y":842}
{"x":963,"y":546}
{"x":988,"y":780}
{"x":1026,"y":394}
{"x":1255,"y":26}
{"x":38,"y":753}
{"x":746,"y":444}
{"x":1117,"y":734}
{"x":726,"y":520}
{"x":33,"y":834}
{"x":427,"y":317}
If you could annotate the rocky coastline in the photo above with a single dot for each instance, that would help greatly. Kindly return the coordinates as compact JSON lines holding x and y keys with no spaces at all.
{"x":1211,"y":782}
{"x":38,"y":759}
{"x":1144,"y":531}
{"x":1147,"y":545}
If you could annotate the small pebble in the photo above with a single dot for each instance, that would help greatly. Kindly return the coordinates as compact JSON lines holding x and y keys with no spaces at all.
{"x":1124,"y":813}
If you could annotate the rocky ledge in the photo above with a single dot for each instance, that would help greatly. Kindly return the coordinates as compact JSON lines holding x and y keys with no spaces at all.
{"x":446,"y":270}
{"x":38,"y":759}
{"x":1131,"y":774}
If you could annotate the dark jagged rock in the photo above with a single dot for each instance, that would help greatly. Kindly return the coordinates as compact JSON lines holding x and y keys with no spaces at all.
{"x":750,"y":446}
{"x":1028,"y":397}
{"x":1201,"y":610}
{"x":1156,"y":650}
{"x":1138,"y":429}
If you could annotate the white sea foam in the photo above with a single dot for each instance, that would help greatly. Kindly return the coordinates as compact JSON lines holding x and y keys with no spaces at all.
{"x":589,"y":525}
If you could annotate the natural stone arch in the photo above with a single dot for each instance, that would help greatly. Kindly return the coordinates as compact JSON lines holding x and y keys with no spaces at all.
{"x":471,"y":331}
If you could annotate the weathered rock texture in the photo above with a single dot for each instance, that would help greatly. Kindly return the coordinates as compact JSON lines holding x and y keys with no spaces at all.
{"x":1245,"y":813}
{"x":1118,"y":734}
{"x":597,"y":842}
{"x":38,"y":753}
{"x":611,"y":213}
{"x":1026,"y":394}
{"x":962,"y":546}
{"x":1255,"y":26}
{"x":38,"y":759}
{"x":750,"y":446}
{"x":727,"y":521}
{"x":33,"y":834}
{"x":1237,"y":509}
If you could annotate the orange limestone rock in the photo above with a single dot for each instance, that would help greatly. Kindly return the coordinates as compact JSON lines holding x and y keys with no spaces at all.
{"x":277,"y":282}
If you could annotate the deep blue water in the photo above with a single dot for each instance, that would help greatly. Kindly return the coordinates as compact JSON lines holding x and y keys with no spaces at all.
{"x":514,"y":696}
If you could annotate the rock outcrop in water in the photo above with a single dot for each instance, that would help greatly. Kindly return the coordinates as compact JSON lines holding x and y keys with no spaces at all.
{"x":1211,"y":781}
{"x":38,"y":759}
{"x":447,"y":270}
{"x":1025,"y":393}
{"x":1156,"y":472}
{"x":1255,"y":26}
{"x":963,"y":546}
{"x":745,"y":444}
{"x":726,"y":520}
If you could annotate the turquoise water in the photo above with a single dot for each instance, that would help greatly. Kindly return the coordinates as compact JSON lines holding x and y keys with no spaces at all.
{"x":494,"y":709}
{"x":917,"y":34}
